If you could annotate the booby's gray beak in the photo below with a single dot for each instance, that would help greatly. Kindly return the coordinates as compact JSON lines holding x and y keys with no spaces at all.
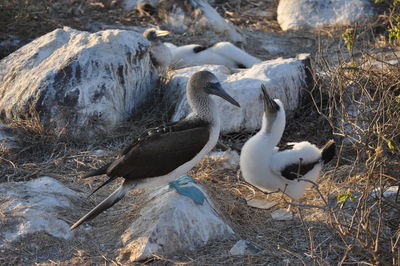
{"x":162,"y":33}
{"x":216,"y":89}
{"x":270,"y":106}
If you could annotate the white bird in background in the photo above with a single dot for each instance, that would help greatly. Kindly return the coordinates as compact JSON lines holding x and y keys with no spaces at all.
{"x":167,"y":54}
{"x":221,"y":53}
{"x":160,"y":54}
{"x":270,"y":169}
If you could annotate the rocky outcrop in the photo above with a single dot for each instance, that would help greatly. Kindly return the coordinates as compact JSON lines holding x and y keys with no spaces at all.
{"x":77,"y":80}
{"x":171,"y":222}
{"x":285,"y":78}
{"x":34,"y":206}
{"x":311,"y":14}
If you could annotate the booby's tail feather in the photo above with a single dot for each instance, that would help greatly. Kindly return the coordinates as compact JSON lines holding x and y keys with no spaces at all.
{"x":101,"y":171}
{"x":328,"y":151}
{"x":102,"y":185}
{"x":116,"y":196}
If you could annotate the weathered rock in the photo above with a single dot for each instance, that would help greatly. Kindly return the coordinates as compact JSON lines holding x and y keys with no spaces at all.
{"x":170,"y":223}
{"x":285,"y":78}
{"x":77,"y":80}
{"x":261,"y":203}
{"x":282,"y":215}
{"x":34,"y":206}
{"x":195,"y":16}
{"x":392,"y":191}
{"x":243,"y":248}
{"x":309,"y":14}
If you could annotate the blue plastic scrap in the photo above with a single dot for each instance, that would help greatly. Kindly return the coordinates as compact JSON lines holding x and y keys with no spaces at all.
{"x":190,"y":191}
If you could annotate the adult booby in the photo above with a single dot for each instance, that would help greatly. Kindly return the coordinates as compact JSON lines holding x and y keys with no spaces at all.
{"x":160,"y":54}
{"x":167,"y":152}
{"x":270,"y":169}
{"x":222,"y":53}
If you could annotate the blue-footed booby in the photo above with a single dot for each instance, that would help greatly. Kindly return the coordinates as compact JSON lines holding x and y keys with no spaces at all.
{"x":167,"y":152}
{"x":221,"y":53}
{"x":270,"y":169}
{"x":160,"y":54}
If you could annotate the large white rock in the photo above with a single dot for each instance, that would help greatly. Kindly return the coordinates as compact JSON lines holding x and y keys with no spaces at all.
{"x":306,"y":14}
{"x":33,"y":206}
{"x":195,"y":16}
{"x":77,"y":80}
{"x":285,"y":79}
{"x":170,"y":223}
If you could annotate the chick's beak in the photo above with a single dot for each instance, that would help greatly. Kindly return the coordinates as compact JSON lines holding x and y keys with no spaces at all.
{"x":270,"y":106}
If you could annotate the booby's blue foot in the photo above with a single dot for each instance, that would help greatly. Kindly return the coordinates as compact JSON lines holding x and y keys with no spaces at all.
{"x":190,"y":191}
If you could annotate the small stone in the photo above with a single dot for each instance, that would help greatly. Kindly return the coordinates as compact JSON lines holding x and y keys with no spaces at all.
{"x":282,"y":215}
{"x":230,"y":158}
{"x":243,"y":247}
{"x":99,"y":152}
{"x":388,"y":192}
{"x":261,"y":203}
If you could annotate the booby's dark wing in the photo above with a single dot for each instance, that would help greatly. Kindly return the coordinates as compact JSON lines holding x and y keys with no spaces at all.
{"x":153,"y":131}
{"x":158,"y":151}
{"x":297,"y":170}
{"x":150,"y":132}
{"x":163,"y":152}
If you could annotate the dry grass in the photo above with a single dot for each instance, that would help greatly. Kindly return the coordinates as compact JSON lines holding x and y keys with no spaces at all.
{"x":364,"y":111}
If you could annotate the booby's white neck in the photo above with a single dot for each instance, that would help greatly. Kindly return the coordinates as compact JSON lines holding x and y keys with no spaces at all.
{"x":274,"y":125}
{"x":204,"y":107}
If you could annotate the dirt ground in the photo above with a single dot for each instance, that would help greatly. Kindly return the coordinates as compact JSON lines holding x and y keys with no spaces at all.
{"x":323,"y":231}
